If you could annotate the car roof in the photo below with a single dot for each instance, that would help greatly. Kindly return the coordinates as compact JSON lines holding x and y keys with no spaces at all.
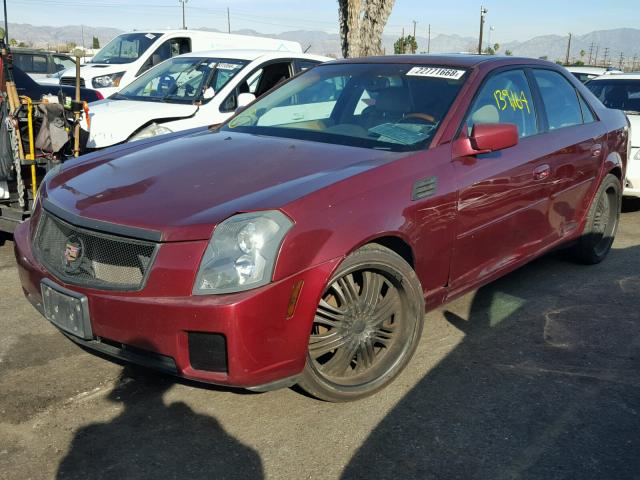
{"x":617,"y":76}
{"x":449,"y":60}
{"x":254,"y":54}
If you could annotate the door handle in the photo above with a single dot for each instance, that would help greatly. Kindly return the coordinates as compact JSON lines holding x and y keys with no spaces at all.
{"x":541,"y":172}
{"x":596,"y":150}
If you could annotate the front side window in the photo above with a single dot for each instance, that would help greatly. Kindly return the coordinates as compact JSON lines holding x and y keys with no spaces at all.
{"x":618,"y":94}
{"x":182,"y":80}
{"x":505,"y":98}
{"x":560,"y":99}
{"x":125,"y":48}
{"x":63,"y":63}
{"x":396,"y":107}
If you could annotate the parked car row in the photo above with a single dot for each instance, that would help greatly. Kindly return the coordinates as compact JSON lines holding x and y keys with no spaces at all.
{"x":301,"y":239}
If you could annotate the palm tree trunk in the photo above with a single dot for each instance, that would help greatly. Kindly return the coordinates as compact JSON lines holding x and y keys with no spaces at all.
{"x":361,"y":26}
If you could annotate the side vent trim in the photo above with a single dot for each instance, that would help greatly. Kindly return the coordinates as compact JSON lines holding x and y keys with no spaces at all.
{"x":424,"y":188}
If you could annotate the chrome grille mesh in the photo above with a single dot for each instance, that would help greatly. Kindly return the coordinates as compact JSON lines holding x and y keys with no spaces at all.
{"x":93,"y":259}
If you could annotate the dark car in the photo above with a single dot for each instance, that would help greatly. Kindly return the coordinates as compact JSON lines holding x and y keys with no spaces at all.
{"x":34,"y":90}
{"x":301,"y":241}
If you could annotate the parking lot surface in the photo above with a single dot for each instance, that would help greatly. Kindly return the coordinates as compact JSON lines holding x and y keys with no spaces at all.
{"x":534,"y":376}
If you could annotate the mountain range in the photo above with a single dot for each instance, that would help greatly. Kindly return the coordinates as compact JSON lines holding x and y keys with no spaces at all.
{"x":554,"y":47}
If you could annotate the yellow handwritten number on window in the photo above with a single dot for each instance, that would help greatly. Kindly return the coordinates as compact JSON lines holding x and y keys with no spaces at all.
{"x":509,"y":98}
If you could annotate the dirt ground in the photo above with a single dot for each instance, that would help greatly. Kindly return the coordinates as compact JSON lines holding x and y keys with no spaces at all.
{"x":534,"y":376}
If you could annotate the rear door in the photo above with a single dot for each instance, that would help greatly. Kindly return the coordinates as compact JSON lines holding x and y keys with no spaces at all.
{"x":574,"y":148}
{"x":503,"y":196}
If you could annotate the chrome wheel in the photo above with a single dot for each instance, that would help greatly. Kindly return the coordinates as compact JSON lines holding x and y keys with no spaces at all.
{"x":355,"y":326}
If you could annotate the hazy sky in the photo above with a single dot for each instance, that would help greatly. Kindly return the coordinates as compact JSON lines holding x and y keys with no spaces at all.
{"x":512,"y":20}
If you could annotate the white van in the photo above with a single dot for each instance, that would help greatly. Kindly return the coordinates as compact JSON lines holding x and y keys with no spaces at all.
{"x":129,"y":55}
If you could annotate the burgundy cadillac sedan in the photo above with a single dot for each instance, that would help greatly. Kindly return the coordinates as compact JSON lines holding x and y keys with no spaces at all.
{"x":302,"y":241}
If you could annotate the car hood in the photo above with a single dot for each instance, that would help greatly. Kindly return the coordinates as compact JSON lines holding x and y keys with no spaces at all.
{"x":184,"y":186}
{"x":114,"y":121}
{"x":635,"y":130}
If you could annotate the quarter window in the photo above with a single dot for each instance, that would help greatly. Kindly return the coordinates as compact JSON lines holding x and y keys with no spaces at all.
{"x":505,"y":98}
{"x":560,"y":99}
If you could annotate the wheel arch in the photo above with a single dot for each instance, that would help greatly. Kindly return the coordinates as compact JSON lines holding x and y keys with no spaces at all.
{"x":395,"y":242}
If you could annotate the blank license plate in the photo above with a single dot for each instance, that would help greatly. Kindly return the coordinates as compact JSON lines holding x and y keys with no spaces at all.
{"x":66,"y":309}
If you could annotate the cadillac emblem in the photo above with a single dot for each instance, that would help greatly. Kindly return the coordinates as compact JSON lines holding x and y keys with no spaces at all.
{"x":73,"y":254}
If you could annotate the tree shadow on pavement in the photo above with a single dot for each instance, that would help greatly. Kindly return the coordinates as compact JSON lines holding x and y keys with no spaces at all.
{"x":152,"y":440}
{"x":545,"y":384}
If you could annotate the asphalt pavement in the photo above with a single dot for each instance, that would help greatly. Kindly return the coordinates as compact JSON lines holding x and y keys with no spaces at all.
{"x":534,"y":376}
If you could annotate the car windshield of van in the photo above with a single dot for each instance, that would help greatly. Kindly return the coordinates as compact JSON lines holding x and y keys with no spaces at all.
{"x":620,"y":94}
{"x":125,"y":48}
{"x":182,"y":80}
{"x":382,"y":106}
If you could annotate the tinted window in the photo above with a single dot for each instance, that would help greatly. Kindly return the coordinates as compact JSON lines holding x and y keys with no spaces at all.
{"x":31,"y":63}
{"x":505,"y":98}
{"x":618,"y":94}
{"x":396,"y":107}
{"x":560,"y":99}
{"x":125,"y":48}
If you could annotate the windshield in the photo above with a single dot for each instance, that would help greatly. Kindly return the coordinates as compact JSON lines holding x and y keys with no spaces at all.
{"x":125,"y":48}
{"x":619,"y":94}
{"x":383,"y":106}
{"x":182,"y":80}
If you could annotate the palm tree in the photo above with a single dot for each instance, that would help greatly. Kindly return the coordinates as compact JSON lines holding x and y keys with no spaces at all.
{"x":361,"y":26}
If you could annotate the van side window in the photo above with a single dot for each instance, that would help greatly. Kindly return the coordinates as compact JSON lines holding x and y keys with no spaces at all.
{"x":168,"y":49}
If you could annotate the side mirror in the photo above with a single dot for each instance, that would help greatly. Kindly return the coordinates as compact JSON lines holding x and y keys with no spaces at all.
{"x":486,"y":138}
{"x":245,"y":99}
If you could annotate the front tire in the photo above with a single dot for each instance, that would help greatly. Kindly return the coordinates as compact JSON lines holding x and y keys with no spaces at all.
{"x":366,"y":328}
{"x":602,"y":223}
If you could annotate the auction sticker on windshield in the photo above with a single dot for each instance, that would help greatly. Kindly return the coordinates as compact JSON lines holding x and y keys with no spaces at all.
{"x":228,"y":66}
{"x":436,"y":72}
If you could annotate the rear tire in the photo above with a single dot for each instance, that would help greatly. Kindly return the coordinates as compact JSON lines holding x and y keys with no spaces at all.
{"x":367,"y":326}
{"x":602,"y":223}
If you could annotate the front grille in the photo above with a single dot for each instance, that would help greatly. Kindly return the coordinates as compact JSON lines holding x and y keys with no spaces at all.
{"x":89,"y":258}
{"x":71,"y":81}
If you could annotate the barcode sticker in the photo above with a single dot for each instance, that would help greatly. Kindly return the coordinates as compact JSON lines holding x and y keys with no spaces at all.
{"x":436,"y":72}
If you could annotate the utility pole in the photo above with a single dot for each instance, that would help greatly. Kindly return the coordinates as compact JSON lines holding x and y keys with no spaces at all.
{"x":595,"y":59}
{"x":606,"y":55}
{"x":633,"y":64}
{"x":413,"y":50}
{"x":566,"y":62}
{"x":6,"y":25}
{"x":590,"y":52}
{"x":228,"y":21}
{"x":621,"y":60}
{"x":483,"y":12}
{"x":403,"y":40}
{"x":184,"y":22}
{"x":429,"y":40}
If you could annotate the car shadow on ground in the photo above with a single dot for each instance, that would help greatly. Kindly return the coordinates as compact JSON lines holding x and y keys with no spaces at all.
{"x":545,"y":384}
{"x":153,"y":440}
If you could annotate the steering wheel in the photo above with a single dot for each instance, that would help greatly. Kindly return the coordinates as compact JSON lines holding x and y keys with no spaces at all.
{"x":425,"y":117}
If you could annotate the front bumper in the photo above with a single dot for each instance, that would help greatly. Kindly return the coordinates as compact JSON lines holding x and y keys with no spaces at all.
{"x":155,"y":326}
{"x":632,"y":181}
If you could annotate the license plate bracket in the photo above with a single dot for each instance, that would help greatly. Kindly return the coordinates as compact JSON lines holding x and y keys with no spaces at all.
{"x":66,"y":309}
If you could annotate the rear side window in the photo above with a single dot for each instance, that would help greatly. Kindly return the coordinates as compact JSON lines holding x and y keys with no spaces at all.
{"x":560,"y":99}
{"x":587,"y":114}
{"x":31,"y":63}
{"x":505,"y":98}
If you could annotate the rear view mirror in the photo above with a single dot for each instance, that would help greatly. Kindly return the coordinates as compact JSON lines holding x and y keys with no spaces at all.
{"x":486,"y":138}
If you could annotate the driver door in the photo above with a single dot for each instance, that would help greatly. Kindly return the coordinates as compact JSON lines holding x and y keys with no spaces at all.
{"x":503,"y":196}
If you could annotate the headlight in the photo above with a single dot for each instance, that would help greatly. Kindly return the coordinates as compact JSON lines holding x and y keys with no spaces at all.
{"x":106,"y":81}
{"x":150,"y":131}
{"x":242,"y":253}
